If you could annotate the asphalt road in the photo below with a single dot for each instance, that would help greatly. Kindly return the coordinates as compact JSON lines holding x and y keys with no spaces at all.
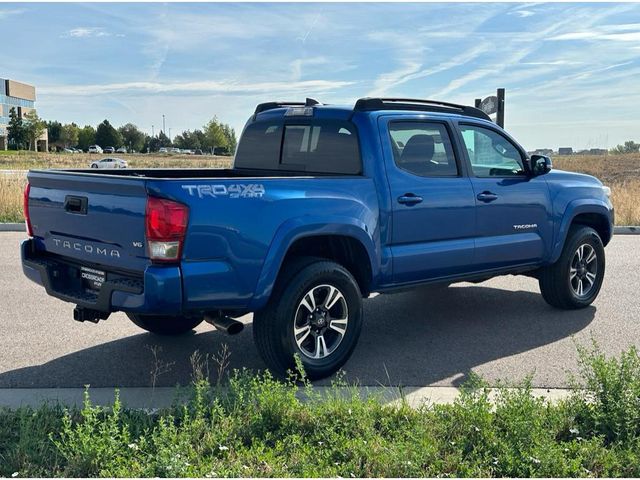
{"x":500,"y":329}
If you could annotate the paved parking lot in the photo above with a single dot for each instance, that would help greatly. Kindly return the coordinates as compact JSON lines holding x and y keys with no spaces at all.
{"x":501,"y":329}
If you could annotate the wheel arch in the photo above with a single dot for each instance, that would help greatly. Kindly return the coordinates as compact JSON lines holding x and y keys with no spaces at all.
{"x":596,"y":216}
{"x":346,"y":242}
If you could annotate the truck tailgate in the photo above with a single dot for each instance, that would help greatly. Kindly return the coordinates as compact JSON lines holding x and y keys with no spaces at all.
{"x":93,"y":219}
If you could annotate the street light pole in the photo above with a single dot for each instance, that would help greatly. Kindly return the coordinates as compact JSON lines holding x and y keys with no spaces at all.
{"x":164,"y":127}
{"x":152,"y":134}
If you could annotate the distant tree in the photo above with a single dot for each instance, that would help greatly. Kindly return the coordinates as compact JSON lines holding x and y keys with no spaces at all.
{"x":107,"y":136}
{"x":70,"y":135}
{"x":34,"y":127}
{"x":232,"y":142}
{"x":152,"y":144}
{"x":16,"y":131}
{"x":181,"y":140}
{"x":163,"y":140}
{"x":215,"y":135}
{"x":86,"y":137}
{"x":132,"y":137}
{"x":54,"y":130}
{"x":199,"y":139}
{"x":189,"y":140}
{"x":629,"y":147}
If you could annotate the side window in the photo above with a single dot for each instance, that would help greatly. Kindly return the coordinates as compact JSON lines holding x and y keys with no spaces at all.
{"x":491,"y":154}
{"x":423,"y":148}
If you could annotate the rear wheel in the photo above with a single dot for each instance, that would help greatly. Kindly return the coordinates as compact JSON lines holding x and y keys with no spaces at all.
{"x":165,"y":324}
{"x":574,"y":281}
{"x":316,"y":312}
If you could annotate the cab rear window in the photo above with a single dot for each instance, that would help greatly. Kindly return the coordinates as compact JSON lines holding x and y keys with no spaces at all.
{"x":322,"y":146}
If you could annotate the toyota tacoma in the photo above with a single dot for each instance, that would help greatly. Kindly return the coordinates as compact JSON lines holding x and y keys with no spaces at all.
{"x":324,"y":205}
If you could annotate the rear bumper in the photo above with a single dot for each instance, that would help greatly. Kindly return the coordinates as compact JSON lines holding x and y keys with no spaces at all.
{"x":158,"y":290}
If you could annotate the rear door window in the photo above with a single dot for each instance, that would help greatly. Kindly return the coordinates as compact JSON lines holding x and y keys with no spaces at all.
{"x":423,"y":149}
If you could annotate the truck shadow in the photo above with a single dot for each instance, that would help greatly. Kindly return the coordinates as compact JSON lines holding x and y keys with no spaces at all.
{"x":420,"y":337}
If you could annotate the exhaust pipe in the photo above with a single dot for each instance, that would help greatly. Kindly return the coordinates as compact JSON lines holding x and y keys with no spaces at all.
{"x":225,"y":324}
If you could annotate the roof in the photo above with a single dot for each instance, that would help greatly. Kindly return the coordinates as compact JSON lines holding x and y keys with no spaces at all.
{"x":373,"y":105}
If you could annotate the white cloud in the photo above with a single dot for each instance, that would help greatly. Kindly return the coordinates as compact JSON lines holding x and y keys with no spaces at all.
{"x":388,"y":80}
{"x":618,"y":33}
{"x":523,"y":13}
{"x":88,"y":32}
{"x":553,"y":62}
{"x":300,"y":64}
{"x":7,"y":13}
{"x":204,"y":87}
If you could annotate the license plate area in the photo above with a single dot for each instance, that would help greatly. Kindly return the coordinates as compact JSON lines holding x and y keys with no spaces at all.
{"x":92,"y":279}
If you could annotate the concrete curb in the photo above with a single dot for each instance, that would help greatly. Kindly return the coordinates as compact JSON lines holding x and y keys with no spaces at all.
{"x":162,"y":397}
{"x":12,"y":227}
{"x":627,"y":230}
{"x":622,"y":230}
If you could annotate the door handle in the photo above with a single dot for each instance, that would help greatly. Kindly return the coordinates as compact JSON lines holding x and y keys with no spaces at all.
{"x":487,"y":197}
{"x":409,"y":199}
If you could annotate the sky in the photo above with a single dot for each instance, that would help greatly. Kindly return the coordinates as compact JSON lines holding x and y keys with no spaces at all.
{"x":571,"y":71}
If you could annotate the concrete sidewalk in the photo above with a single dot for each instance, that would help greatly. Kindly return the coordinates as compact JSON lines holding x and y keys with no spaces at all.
{"x":161,"y":397}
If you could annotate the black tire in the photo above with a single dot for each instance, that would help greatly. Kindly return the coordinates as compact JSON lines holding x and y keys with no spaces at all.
{"x":273,"y":327}
{"x":94,"y":166}
{"x":558,"y":282}
{"x":165,"y":324}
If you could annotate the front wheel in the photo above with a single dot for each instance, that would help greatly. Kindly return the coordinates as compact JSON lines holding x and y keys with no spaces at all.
{"x":574,"y":281}
{"x":315,"y":312}
{"x":165,"y":324}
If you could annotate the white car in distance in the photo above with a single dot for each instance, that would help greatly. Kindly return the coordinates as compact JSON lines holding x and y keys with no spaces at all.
{"x":109,"y":163}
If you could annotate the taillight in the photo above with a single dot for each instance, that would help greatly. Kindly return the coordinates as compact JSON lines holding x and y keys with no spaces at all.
{"x":166,"y":225}
{"x":25,"y":208}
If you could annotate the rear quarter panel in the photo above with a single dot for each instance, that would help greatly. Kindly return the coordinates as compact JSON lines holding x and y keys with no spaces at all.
{"x":240,"y":229}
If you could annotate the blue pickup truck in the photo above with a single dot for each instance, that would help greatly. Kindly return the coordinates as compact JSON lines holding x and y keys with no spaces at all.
{"x":324,"y":206}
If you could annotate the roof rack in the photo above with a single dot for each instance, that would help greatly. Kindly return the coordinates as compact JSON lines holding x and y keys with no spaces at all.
{"x":263,"y":107}
{"x":365,"y":104}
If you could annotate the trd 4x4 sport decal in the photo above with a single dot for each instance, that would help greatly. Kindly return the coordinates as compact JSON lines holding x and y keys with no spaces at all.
{"x":239,"y":190}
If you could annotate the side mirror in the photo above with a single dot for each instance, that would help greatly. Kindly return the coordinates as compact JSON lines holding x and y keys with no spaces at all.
{"x":540,"y":164}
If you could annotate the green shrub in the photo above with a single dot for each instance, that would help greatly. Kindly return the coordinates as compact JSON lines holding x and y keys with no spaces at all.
{"x":610,"y":404}
{"x":258,"y":426}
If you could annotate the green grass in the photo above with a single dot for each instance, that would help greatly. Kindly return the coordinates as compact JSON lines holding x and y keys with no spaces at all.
{"x":258,"y":426}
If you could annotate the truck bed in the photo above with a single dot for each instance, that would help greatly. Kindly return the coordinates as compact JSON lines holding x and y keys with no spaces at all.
{"x":192,"y":173}
{"x":236,"y":219}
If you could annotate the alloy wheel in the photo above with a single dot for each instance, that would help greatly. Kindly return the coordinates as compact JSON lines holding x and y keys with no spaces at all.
{"x":321,"y":321}
{"x":583,"y":270}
